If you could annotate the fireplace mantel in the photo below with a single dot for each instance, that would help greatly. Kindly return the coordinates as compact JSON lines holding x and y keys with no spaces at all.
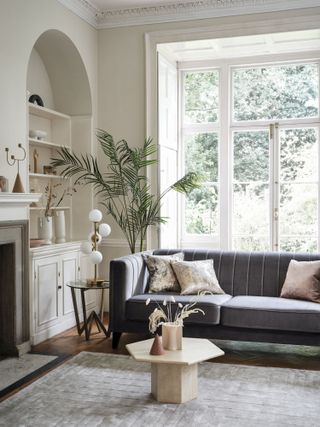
{"x":15,"y":206}
{"x":18,"y":199}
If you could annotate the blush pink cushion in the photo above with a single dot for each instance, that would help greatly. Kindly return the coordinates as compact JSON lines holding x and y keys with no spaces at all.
{"x":302,"y":281}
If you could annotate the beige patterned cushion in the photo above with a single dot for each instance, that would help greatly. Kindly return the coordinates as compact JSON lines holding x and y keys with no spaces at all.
{"x":196,"y":276}
{"x":302,"y":281}
{"x":162,"y":277}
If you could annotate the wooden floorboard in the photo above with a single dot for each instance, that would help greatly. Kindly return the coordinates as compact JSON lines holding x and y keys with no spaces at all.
{"x":254,"y":354}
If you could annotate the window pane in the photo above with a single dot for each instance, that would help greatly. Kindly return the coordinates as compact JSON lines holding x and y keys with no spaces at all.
{"x":201,"y":207}
{"x":201,"y":155}
{"x":275,"y":92}
{"x":251,"y":222}
{"x":251,"y":216}
{"x":298,"y":155}
{"x":298,"y":216}
{"x":251,"y":156}
{"x":201,"y":92}
{"x":201,"y":210}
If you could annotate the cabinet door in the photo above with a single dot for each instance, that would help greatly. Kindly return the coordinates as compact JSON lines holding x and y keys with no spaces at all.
{"x":47,"y":291}
{"x":69,"y":264}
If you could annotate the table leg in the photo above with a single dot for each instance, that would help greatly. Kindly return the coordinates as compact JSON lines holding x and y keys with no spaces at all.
{"x":172,"y":383}
{"x":85,"y":322}
{"x":76,"y":313}
{"x":102,"y":305}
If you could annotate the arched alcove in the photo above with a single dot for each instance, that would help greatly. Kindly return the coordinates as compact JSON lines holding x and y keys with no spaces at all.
{"x":66,"y":72}
{"x":57,"y":73}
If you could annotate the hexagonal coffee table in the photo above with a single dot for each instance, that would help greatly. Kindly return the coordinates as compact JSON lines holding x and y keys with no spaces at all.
{"x":174,"y":375}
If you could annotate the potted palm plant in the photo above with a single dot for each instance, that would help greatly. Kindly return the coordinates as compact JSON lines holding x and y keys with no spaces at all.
{"x":124,"y":188}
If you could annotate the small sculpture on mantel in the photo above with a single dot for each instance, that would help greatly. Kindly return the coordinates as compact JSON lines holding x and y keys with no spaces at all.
{"x":18,"y":187}
{"x":35,"y":161}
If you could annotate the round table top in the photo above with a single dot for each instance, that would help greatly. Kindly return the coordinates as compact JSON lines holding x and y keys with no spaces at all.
{"x":82,"y":284}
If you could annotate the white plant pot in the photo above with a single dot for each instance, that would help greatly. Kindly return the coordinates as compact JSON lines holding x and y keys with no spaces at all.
{"x":171,"y":336}
{"x":45,"y":229}
{"x":60,"y":226}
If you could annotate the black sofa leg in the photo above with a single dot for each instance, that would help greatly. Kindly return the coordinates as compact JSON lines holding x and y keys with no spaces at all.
{"x":115,"y":339}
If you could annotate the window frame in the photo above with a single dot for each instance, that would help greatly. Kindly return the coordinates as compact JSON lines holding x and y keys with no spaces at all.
{"x":225,"y":127}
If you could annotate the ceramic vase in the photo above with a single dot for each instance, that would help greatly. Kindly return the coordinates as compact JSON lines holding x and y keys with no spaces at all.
{"x":45,"y":229}
{"x":172,"y":336}
{"x":157,"y":348}
{"x":60,"y":226}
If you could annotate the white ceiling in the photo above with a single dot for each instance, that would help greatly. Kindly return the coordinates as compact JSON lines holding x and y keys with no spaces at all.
{"x":235,"y":47}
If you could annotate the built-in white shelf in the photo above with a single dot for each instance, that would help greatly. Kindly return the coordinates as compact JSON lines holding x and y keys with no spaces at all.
{"x":56,"y":208}
{"x":46,"y":113}
{"x":45,"y":176}
{"x":47,"y":144}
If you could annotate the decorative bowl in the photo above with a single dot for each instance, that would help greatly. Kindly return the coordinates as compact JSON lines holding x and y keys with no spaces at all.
{"x":35,"y":243}
{"x":38,"y":134}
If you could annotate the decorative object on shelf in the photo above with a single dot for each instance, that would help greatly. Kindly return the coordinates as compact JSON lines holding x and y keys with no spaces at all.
{"x":35,"y":99}
{"x":45,"y":229}
{"x":3,"y":184}
{"x":60,"y":226}
{"x":125,"y":190}
{"x":157,"y":347}
{"x":49,"y":170}
{"x":35,"y":161}
{"x":17,"y":187}
{"x":54,"y":195}
{"x":172,"y":317}
{"x":38,"y":134}
{"x":90,"y":247}
{"x":35,"y":243}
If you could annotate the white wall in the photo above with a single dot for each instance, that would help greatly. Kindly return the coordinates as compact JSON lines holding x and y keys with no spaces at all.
{"x":21,"y":24}
{"x":38,"y":81}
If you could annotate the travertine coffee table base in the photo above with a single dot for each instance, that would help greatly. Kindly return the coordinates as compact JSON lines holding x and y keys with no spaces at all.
{"x":174,"y":375}
{"x":174,"y":383}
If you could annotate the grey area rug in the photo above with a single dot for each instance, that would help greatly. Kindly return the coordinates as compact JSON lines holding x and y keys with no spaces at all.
{"x":13,"y":369}
{"x":94,"y":389}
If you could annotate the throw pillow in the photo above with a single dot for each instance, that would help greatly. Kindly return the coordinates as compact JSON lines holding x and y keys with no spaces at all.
{"x":162,"y":277}
{"x":302,"y":281}
{"x":196,"y":276}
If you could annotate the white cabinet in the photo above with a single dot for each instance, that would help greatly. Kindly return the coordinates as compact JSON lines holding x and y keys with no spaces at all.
{"x":52,"y":267}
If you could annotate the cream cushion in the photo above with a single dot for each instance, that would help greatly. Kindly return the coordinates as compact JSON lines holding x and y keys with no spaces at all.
{"x":196,"y":276}
{"x":302,"y":281}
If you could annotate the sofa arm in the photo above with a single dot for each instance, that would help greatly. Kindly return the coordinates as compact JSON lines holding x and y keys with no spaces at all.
{"x":127,"y":278}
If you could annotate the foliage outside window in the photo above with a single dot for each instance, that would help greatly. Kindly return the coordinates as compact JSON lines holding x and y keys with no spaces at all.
{"x":275,"y":181}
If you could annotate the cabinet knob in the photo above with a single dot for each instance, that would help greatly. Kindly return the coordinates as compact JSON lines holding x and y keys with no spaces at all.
{"x":59,"y":287}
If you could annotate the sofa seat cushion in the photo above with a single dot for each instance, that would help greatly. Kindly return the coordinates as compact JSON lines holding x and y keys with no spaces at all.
{"x":136,"y":308}
{"x":271,"y":313}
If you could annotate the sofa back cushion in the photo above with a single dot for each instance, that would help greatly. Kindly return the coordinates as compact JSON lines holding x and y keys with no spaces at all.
{"x":246,"y":273}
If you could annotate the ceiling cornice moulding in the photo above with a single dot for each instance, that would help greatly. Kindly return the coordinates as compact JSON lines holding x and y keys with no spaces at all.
{"x":178,"y":11}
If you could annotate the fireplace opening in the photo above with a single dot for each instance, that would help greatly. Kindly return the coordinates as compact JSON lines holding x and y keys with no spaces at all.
{"x":7,"y":299}
{"x":14,"y":288}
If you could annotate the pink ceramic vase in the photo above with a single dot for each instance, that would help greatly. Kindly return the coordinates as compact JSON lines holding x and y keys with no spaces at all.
{"x":156,"y":348}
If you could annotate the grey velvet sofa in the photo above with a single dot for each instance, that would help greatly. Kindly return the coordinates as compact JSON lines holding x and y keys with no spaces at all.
{"x":251,"y":309}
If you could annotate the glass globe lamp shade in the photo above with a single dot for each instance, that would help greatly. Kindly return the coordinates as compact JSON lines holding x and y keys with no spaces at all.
{"x":95,"y":215}
{"x":104,"y":230}
{"x":86,"y":248}
{"x":96,"y":257}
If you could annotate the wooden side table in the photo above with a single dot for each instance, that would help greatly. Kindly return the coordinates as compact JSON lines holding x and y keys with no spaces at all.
{"x":93,"y":316}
